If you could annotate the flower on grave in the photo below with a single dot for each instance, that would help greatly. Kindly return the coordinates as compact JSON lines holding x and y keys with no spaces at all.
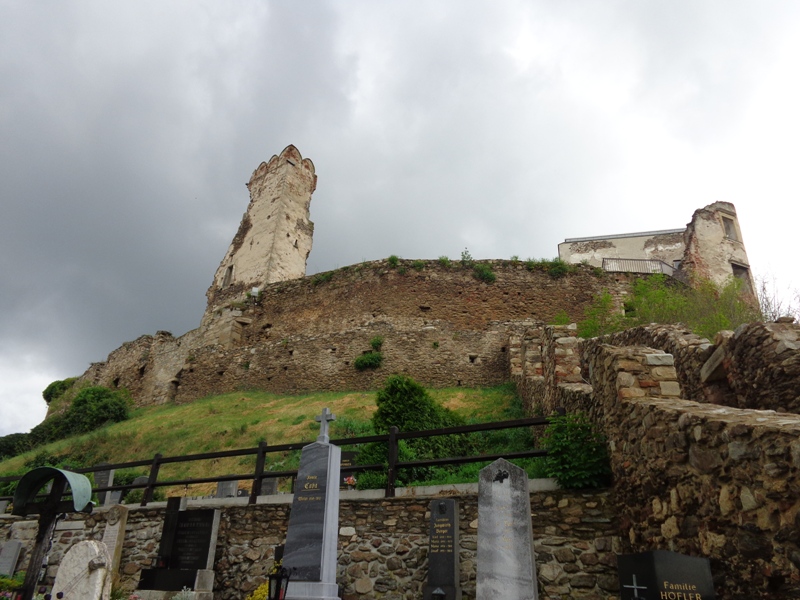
{"x":350,"y":480}
{"x":276,"y":567}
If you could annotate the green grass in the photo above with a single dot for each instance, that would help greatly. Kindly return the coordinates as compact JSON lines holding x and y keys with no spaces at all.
{"x":242,"y":419}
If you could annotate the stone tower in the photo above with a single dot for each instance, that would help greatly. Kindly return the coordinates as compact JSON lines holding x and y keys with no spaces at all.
{"x":275,"y":235}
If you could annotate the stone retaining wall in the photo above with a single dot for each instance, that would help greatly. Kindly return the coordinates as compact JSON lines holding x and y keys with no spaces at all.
{"x":383,"y":545}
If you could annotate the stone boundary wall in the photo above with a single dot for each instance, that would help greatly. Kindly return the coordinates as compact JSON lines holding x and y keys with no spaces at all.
{"x":383,"y":545}
{"x":700,"y":479}
{"x":304,"y":334}
{"x":758,"y":367}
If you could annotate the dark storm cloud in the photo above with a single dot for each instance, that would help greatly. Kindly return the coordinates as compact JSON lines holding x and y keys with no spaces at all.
{"x":128,"y":131}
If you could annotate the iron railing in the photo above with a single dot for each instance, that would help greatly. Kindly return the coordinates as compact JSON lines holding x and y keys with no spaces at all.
{"x":260,"y":452}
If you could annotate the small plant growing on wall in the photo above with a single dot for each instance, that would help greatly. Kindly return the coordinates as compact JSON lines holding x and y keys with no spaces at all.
{"x":445,"y":262}
{"x":418,"y":265}
{"x":393,"y":261}
{"x":466,"y":259}
{"x":577,"y":456}
{"x":376,"y":343}
{"x":483,"y":272}
{"x":368,"y":360}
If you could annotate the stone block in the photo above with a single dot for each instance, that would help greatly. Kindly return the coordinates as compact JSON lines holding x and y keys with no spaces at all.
{"x":670,"y":388}
{"x":666,"y":360}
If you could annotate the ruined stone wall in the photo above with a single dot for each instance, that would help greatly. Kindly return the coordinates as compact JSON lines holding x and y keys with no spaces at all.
{"x":700,"y":479}
{"x":383,"y":545}
{"x":666,"y":246}
{"x":757,"y":366}
{"x":440,"y":325}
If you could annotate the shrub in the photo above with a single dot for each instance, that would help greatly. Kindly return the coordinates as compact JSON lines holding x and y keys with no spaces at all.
{"x":14,"y":444}
{"x":393,"y":261}
{"x":418,"y":265}
{"x":403,"y":403}
{"x":466,"y":259}
{"x":483,"y":272}
{"x":368,"y":360}
{"x":376,"y":343}
{"x":321,"y":278}
{"x":445,"y":262}
{"x":576,"y":453}
{"x":561,"y":318}
{"x":57,"y":388}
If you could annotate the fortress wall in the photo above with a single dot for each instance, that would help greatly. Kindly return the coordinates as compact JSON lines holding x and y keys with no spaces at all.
{"x":383,"y":544}
{"x":440,"y":325}
{"x":701,"y":479}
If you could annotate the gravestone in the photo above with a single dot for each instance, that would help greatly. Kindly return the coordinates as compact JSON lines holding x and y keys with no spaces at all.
{"x":186,"y":552}
{"x":143,"y":479}
{"x":83,"y":573}
{"x":312,"y":536}
{"x":227,"y":489}
{"x":269,"y":486}
{"x":443,"y":568}
{"x":114,"y":535}
{"x":506,"y":563}
{"x":664,"y":574}
{"x":9,"y":555}
{"x":103,"y":479}
{"x":348,"y":460}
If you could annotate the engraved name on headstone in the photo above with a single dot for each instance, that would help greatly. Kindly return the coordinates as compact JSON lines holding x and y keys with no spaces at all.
{"x":664,"y":574}
{"x":114,"y":534}
{"x":312,"y":536}
{"x":9,"y":555}
{"x":506,"y":563}
{"x":443,"y":566}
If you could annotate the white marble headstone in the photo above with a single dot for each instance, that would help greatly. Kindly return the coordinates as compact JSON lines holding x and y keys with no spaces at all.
{"x":84,"y":573}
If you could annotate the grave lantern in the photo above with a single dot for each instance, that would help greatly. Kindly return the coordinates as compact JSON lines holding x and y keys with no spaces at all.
{"x":438,"y":594}
{"x":279,"y":583}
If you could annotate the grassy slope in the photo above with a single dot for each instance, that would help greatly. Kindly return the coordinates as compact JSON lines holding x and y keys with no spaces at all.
{"x":241,"y":420}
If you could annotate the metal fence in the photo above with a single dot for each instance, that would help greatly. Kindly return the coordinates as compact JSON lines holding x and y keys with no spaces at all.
{"x":260,"y":452}
{"x":642,"y":265}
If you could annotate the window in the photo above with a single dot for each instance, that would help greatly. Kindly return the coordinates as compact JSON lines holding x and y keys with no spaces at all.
{"x":730,"y":229}
{"x":226,"y":281}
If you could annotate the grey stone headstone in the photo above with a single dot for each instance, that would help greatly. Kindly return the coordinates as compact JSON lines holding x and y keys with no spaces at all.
{"x":312,"y":536}
{"x":84,"y":573}
{"x":269,"y":487}
{"x":139,"y":481}
{"x":3,"y":506}
{"x":9,"y":555}
{"x":443,"y":567}
{"x":103,"y":479}
{"x":506,"y":567}
{"x":227,"y":489}
{"x":114,"y":534}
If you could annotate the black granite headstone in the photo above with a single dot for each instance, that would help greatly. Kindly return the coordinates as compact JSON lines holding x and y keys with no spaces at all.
{"x":192,"y":539}
{"x":664,"y":575}
{"x":304,"y":537}
{"x":443,"y":569}
{"x":348,"y":460}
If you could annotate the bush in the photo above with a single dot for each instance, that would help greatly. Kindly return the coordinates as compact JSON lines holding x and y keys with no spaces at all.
{"x":576,"y":453}
{"x":418,"y":265}
{"x":483,"y":272}
{"x":57,"y":388}
{"x":466,"y":259}
{"x":14,"y":444}
{"x":368,"y":360}
{"x":393,"y":261}
{"x":376,"y":343}
{"x":445,"y":261}
{"x":403,"y":403}
{"x":91,"y":408}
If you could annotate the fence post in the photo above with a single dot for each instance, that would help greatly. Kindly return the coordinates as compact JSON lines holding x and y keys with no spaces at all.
{"x":151,"y":480}
{"x":392,"y":474}
{"x":260,"y":459}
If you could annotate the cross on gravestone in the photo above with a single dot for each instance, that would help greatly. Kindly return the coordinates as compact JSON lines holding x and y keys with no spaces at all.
{"x":323,"y":420}
{"x":664,"y":574}
{"x":312,"y":535}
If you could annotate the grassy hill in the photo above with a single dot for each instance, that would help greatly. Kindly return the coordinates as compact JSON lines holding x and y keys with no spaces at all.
{"x":241,"y":420}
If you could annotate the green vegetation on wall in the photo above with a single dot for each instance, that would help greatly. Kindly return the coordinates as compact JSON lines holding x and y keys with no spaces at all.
{"x":577,"y":456}
{"x":704,"y":308}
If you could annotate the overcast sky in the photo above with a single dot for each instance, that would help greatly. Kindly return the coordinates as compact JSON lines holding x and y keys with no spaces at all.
{"x":128,"y":131}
